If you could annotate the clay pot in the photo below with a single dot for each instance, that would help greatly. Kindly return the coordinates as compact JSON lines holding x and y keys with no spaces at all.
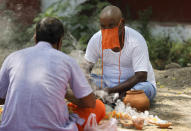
{"x":137,"y":99}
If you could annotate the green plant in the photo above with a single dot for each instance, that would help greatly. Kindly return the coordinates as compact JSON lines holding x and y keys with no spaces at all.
{"x":159,"y":51}
{"x":80,"y":24}
{"x":13,"y":34}
{"x":181,"y":53}
{"x":162,"y":50}
{"x":144,"y":19}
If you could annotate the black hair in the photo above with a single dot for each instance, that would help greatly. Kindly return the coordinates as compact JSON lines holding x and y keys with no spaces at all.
{"x":49,"y":29}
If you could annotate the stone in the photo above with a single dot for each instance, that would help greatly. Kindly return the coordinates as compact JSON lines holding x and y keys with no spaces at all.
{"x":172,"y":66}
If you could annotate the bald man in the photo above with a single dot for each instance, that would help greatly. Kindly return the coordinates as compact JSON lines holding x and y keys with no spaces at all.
{"x":124,"y":54}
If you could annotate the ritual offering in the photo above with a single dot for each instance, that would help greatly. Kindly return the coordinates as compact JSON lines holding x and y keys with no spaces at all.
{"x":138,"y":123}
{"x":1,"y":109}
{"x":117,"y":115}
{"x":164,"y":125}
{"x":126,"y":123}
{"x":158,"y":122}
{"x":137,"y":99}
{"x":129,"y":117}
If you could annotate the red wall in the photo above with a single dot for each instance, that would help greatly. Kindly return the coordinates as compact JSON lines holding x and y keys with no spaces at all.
{"x":25,"y":10}
{"x":162,"y":10}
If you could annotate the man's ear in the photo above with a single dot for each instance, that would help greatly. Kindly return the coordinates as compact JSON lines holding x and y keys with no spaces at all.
{"x":34,"y":37}
{"x":60,"y":45}
{"x":123,"y":21}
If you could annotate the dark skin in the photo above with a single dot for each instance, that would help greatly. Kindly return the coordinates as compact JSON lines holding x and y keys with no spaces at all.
{"x":111,"y":17}
{"x":85,"y":102}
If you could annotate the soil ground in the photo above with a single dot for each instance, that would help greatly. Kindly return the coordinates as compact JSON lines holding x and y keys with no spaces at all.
{"x":173,"y":100}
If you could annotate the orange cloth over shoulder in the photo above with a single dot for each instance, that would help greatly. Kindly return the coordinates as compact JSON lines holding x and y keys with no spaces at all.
{"x":110,"y":40}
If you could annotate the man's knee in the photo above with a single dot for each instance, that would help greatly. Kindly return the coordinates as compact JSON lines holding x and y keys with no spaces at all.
{"x":148,"y":89}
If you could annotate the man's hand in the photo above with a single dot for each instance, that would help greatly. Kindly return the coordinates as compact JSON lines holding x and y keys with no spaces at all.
{"x":128,"y":84}
{"x":106,"y":89}
{"x":105,"y":96}
{"x":101,"y":94}
{"x":85,"y":102}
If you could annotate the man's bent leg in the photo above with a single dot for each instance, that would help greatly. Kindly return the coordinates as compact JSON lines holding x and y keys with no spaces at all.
{"x":148,"y":88}
{"x":84,"y":113}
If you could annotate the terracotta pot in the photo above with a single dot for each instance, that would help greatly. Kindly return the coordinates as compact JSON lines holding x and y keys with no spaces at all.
{"x":137,"y":99}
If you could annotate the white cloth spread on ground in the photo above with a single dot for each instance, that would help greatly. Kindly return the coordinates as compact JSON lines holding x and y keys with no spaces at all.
{"x":134,"y":57}
{"x":34,"y":82}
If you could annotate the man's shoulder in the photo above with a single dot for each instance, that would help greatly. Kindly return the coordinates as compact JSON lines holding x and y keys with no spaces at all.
{"x":133,"y":35}
{"x":13,"y":57}
{"x":97,"y":35}
{"x":63,"y":55}
{"x":16,"y":53}
{"x":95,"y":40}
{"x":132,"y":32}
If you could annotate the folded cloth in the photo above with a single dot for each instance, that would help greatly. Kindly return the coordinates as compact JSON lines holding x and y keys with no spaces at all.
{"x":84,"y":113}
{"x":75,"y":118}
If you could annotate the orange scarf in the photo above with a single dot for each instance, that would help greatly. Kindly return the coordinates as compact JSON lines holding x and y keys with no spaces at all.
{"x":110,"y":40}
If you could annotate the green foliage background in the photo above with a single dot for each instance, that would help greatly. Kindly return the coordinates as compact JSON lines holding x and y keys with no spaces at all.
{"x":79,"y":25}
{"x":82,"y":22}
{"x":163,"y":51}
{"x":12,"y":34}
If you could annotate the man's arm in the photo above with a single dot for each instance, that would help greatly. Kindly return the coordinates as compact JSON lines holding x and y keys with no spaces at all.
{"x":128,"y":84}
{"x":4,"y":81}
{"x":85,"y":102}
{"x":80,"y":92}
